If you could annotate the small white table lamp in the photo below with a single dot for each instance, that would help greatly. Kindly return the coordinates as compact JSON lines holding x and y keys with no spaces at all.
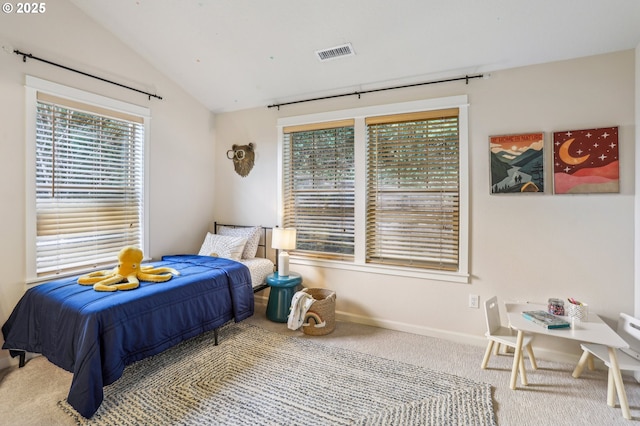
{"x":283,"y":239}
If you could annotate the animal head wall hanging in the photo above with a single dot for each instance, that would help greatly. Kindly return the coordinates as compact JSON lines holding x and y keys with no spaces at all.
{"x":243,"y":157}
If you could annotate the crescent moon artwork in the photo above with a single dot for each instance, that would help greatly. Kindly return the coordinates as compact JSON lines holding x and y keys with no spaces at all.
{"x":564,"y":155}
{"x":586,"y":161}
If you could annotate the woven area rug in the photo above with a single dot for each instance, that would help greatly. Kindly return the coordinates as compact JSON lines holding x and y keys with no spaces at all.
{"x":259,"y":377}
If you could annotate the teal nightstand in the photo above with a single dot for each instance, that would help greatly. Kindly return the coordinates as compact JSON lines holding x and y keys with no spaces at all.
{"x":282,"y":291}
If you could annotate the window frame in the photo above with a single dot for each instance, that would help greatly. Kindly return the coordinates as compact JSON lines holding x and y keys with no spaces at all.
{"x":359,"y":114}
{"x":304,"y":194}
{"x":33,"y":86}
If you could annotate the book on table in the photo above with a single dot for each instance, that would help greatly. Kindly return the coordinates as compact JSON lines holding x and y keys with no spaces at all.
{"x":545,"y":319}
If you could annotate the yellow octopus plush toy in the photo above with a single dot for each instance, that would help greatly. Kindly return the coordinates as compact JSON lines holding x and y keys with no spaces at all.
{"x":128,"y":274}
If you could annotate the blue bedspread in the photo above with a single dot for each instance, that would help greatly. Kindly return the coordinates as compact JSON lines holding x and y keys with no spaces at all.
{"x":95,"y":335}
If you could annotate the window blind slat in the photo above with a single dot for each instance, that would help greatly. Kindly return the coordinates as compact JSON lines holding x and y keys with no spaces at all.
{"x":318,"y":188}
{"x":88,"y":185}
{"x":412,"y":190}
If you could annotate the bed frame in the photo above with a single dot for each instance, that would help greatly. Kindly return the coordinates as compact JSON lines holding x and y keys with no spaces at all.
{"x":74,"y":326}
{"x":264,"y":247}
{"x":264,"y":250}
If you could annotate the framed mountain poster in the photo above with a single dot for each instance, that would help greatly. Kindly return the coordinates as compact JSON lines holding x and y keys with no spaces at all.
{"x":586,"y":161}
{"x":517,"y":163}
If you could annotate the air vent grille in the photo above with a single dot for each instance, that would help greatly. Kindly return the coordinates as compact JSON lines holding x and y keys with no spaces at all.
{"x":335,"y":52}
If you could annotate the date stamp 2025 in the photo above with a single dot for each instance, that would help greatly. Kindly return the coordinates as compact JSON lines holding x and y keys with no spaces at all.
{"x":24,"y":8}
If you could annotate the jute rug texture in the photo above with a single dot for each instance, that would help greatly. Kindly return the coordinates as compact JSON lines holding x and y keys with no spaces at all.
{"x":259,"y":377}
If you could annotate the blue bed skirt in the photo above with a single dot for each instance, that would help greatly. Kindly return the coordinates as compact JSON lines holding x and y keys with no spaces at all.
{"x":95,"y":335}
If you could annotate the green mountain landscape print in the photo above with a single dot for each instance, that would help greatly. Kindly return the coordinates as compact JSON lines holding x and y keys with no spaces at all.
{"x":517,"y":163}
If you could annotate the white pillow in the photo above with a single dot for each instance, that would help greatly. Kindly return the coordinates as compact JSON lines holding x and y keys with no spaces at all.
{"x":252,"y":234}
{"x":222,"y":246}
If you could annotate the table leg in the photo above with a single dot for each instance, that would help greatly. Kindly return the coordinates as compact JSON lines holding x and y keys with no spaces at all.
{"x":580,"y":366}
{"x":611,"y":389}
{"x":516,"y":362}
{"x":532,"y":358}
{"x":617,"y":379}
{"x":523,"y":372}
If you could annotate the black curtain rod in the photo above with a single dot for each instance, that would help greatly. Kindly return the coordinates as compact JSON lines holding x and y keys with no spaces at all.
{"x":466,"y":78}
{"x":30,"y":56}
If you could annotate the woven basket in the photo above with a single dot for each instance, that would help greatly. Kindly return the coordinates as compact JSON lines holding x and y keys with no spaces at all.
{"x":321,"y":316}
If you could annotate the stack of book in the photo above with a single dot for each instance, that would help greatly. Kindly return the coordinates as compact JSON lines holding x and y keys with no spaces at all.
{"x":545,"y":319}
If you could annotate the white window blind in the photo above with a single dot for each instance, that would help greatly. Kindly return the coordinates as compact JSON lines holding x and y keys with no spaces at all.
{"x":413,"y":190}
{"x":318,"y":188}
{"x":89,"y":184}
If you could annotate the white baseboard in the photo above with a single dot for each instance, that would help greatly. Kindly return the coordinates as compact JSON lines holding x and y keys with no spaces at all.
{"x":469,"y":339}
{"x":480,"y":341}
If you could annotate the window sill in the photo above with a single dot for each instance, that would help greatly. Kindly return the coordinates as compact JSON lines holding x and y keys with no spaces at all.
{"x":31,"y":282}
{"x":455,"y":277}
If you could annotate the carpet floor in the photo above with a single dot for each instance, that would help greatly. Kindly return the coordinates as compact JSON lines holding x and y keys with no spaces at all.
{"x":260,"y":377}
{"x":30,"y":395}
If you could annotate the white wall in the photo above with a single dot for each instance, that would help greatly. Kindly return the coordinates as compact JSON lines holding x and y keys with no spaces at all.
{"x":522,"y":247}
{"x":637,"y":199}
{"x":182,"y":134}
{"x":525,"y":247}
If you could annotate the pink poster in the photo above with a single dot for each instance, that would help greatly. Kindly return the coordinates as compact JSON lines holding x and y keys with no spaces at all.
{"x":586,"y":161}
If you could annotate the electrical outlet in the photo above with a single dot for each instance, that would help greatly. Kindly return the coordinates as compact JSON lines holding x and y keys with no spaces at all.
{"x":474,"y":301}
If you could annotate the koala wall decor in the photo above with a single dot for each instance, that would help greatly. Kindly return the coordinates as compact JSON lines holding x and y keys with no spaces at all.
{"x":243,"y":157}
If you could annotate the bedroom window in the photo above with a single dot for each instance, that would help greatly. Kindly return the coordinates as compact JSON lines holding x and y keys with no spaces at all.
{"x":412,"y":190}
{"x":404,"y":197}
{"x":318,"y":188}
{"x":87,"y":158}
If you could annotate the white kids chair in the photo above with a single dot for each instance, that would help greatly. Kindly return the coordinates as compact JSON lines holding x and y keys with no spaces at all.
{"x":499,"y":335}
{"x":628,"y":358}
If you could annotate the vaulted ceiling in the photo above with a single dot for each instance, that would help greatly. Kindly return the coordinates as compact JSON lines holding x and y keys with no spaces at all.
{"x":237,"y":54}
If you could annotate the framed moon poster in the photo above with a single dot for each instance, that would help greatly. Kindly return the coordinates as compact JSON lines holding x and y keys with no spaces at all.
{"x":517,"y":163}
{"x":586,"y":161}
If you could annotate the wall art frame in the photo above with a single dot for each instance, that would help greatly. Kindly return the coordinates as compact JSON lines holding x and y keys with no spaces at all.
{"x":517,"y":163}
{"x":586,"y":161}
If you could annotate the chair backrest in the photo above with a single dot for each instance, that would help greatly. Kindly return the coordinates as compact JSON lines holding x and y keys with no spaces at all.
{"x":492,"y":314}
{"x":629,"y":330}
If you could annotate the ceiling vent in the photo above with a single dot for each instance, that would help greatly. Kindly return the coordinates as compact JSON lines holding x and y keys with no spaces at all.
{"x":335,"y":52}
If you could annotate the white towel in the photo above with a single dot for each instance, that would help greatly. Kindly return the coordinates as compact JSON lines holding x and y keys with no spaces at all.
{"x":300,"y":304}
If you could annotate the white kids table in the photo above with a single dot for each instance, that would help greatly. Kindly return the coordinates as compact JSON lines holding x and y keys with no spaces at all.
{"x":593,"y":330}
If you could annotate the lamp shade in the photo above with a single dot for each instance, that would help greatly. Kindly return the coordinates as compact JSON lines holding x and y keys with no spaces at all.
{"x":283,"y":238}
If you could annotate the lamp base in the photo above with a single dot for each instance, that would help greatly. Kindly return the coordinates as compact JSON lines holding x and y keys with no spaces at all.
{"x":283,"y":264}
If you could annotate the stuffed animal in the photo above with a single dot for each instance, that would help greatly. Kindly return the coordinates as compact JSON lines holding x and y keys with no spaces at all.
{"x":129,"y":272}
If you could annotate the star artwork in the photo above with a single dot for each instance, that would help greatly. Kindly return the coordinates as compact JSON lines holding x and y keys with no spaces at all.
{"x":586,"y":161}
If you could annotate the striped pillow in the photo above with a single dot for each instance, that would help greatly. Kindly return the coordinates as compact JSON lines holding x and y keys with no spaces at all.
{"x":222,"y":246}
{"x":252,"y":234}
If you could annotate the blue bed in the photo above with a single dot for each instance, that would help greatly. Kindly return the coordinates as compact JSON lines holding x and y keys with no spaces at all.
{"x":95,"y":335}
